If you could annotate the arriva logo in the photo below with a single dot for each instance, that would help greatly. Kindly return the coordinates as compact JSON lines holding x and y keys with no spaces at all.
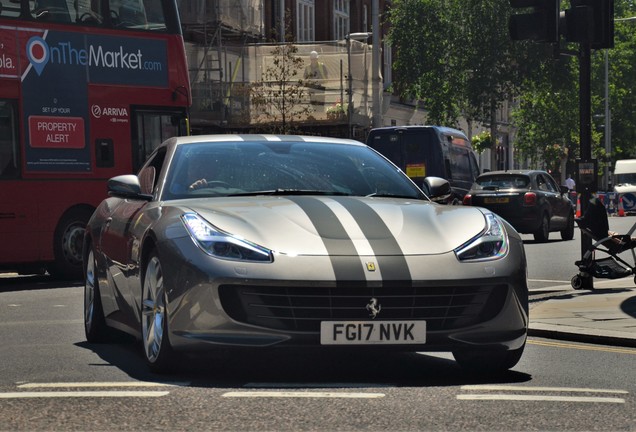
{"x":40,"y":53}
{"x":98,"y":111}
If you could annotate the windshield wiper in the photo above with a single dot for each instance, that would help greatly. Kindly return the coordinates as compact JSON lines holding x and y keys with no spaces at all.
{"x":280,"y":191}
{"x":388,"y":195}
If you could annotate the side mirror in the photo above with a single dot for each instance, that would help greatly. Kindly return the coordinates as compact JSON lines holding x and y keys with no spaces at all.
{"x":437,"y":189}
{"x":127,"y":186}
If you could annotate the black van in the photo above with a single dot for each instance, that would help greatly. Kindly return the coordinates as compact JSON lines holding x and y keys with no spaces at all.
{"x":422,"y":151}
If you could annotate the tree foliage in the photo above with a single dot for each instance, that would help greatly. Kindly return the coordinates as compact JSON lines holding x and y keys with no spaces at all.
{"x":622,"y":82}
{"x":454,"y":55}
{"x":457,"y":57}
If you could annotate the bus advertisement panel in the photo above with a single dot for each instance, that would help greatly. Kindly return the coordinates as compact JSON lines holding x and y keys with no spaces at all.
{"x":79,"y":105}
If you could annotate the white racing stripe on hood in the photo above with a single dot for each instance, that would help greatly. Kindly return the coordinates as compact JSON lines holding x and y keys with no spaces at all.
{"x":360,"y":242}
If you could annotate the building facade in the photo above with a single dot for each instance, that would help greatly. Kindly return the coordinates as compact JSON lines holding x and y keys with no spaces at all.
{"x":231,"y":47}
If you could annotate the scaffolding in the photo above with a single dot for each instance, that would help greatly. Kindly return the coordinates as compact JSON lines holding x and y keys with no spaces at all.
{"x":212,"y":29}
{"x":228,"y":58}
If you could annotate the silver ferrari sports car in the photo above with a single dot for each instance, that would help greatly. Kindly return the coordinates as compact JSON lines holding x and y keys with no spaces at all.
{"x":262,"y":241}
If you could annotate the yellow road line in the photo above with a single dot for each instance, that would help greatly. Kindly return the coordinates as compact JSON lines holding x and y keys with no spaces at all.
{"x":631,"y":351}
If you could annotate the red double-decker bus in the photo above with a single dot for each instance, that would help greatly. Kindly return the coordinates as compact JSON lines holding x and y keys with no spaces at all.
{"x":88,"y":88}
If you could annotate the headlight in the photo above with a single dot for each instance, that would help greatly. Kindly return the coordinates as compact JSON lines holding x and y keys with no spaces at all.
{"x":491,"y":244}
{"x":220,"y":244}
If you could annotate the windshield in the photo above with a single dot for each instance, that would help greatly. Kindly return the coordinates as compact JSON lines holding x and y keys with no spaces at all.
{"x":267,"y":168}
{"x":502,"y":182}
{"x":629,"y":178}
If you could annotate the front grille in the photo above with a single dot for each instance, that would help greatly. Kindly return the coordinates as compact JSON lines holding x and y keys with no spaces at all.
{"x":303,"y":308}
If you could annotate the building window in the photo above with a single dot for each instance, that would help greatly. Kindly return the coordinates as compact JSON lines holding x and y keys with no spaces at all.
{"x":305,"y":31}
{"x":340,"y":18}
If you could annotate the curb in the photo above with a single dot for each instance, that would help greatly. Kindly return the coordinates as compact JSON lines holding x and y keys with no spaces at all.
{"x":578,"y":334}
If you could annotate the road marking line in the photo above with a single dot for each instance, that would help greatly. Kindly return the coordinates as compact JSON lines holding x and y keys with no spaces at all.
{"x":102,"y":384}
{"x":538,"y":398}
{"x":82,"y":394}
{"x":486,"y":387}
{"x":582,"y":347}
{"x":267,"y":394}
{"x":314,"y":385}
{"x":550,"y":281}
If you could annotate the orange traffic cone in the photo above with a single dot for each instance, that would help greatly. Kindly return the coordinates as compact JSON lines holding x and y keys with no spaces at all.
{"x":621,"y":211}
{"x":578,"y":206}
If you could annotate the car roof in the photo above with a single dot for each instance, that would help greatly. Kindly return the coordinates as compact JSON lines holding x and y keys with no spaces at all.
{"x":191,"y":139}
{"x":442,"y":129}
{"x":513,"y":172}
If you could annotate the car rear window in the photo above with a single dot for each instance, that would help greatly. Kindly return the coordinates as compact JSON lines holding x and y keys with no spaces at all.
{"x":503,"y":182}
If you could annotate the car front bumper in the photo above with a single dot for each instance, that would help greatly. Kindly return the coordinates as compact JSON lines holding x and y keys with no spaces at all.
{"x":231,"y":304}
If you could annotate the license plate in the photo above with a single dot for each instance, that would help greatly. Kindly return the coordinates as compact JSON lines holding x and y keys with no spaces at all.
{"x":497,"y":200}
{"x":372,"y":332}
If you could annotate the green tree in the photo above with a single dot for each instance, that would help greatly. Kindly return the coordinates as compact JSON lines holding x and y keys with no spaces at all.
{"x":622,"y":82}
{"x":547,"y":115}
{"x":423,"y":35}
{"x":279,"y":97}
{"x":455,"y":56}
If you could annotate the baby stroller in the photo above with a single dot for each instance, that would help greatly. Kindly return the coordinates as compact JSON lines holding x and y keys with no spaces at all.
{"x":594,"y":224}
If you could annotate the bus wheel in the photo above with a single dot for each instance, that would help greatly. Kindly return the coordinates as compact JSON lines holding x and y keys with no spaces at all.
{"x":68,"y":243}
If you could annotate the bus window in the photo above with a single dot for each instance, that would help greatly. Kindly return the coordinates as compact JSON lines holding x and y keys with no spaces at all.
{"x":9,"y":167}
{"x":137,"y":14}
{"x":153,"y":128}
{"x":51,"y":10}
{"x":87,"y":12}
{"x":9,"y":10}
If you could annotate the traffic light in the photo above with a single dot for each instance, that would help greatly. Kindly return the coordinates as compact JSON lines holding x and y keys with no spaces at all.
{"x":541,"y":24}
{"x":590,"y":21}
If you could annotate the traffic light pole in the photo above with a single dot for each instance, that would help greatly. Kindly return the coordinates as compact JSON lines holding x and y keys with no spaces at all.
{"x":585,"y":136}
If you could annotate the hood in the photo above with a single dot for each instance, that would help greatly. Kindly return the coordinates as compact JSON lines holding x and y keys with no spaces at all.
{"x":625,"y":188}
{"x":315,"y":225}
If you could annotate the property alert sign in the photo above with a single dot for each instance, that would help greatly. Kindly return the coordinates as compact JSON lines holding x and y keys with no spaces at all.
{"x":56,"y":132}
{"x":55,"y":69}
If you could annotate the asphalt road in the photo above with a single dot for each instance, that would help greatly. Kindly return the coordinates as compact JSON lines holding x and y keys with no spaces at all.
{"x":52,"y":379}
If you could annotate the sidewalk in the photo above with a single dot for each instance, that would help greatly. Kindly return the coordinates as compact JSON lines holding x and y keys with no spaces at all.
{"x":604,"y":315}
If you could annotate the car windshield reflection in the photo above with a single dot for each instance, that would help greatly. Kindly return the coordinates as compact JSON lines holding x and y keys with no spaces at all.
{"x":219,"y":169}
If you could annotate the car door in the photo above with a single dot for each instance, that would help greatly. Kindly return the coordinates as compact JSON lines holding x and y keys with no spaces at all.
{"x":120,"y":242}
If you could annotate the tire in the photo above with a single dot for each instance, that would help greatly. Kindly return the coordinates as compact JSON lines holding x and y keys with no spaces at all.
{"x":568,"y":232}
{"x":488,"y":362}
{"x":68,"y":244}
{"x":94,"y":323}
{"x":158,"y":352}
{"x":543,"y":232}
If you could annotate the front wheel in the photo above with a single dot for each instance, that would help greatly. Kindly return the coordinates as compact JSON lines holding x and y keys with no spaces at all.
{"x":488,"y":361}
{"x":158,"y":352}
{"x":94,"y":322}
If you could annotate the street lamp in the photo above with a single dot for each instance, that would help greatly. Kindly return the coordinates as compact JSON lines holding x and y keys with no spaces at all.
{"x":608,"y":113}
{"x":359,"y":37}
